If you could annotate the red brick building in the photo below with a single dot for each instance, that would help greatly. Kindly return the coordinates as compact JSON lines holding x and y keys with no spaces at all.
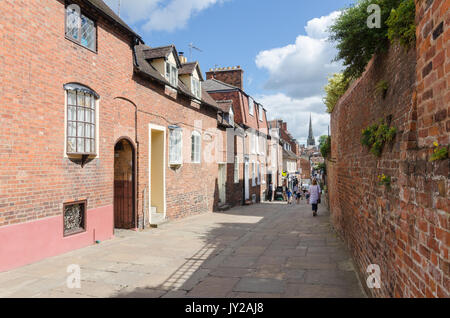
{"x":250,"y":138}
{"x":99,"y":131}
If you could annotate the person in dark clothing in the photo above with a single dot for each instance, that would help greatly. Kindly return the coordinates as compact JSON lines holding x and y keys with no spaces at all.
{"x":270,"y":192}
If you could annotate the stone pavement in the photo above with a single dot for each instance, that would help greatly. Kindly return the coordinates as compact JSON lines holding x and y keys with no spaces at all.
{"x":266,"y":250}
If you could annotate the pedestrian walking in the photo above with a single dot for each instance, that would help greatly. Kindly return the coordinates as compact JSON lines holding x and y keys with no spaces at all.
{"x":270,"y":194}
{"x":314,"y":196}
{"x":294,"y":196}
{"x":289,"y":195}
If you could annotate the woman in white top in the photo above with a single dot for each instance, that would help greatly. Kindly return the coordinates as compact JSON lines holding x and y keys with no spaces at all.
{"x":314,"y":196}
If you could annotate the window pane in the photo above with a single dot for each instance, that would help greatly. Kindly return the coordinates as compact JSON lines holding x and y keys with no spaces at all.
{"x":93,"y":131}
{"x":87,"y":100}
{"x":80,"y":145}
{"x":71,"y":113}
{"x":72,"y":131}
{"x":80,"y":99}
{"x":88,"y":131}
{"x":72,"y":24}
{"x":92,"y":102}
{"x":88,"y":145}
{"x":93,"y":145}
{"x":168,"y":71}
{"x":88,"y":116}
{"x":87,"y":33}
{"x":71,"y":98}
{"x":71,"y":145}
{"x":80,"y":114}
{"x":80,"y":130}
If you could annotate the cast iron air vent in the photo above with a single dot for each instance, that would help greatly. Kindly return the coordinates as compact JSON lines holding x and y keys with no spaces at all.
{"x":74,"y":218}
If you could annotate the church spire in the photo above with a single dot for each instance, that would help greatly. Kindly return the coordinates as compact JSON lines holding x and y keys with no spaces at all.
{"x":311,"y":139}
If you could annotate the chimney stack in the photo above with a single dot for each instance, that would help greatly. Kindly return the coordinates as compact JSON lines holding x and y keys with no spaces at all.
{"x":229,"y":75}
{"x":182,"y":58}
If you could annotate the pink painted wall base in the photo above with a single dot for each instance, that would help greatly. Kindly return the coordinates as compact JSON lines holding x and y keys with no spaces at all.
{"x":26,"y":243}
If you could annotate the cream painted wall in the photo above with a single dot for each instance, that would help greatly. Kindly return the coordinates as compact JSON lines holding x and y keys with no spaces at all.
{"x":160,"y":66}
{"x":157,"y":170}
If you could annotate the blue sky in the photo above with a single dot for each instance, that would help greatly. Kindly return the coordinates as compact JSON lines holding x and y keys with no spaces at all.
{"x":281,"y":45}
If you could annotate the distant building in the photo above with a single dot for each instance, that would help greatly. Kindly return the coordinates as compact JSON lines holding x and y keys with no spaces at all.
{"x":311,"y":140}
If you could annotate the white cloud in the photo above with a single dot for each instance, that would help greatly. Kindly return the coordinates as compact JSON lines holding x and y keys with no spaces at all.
{"x":301,"y":69}
{"x":296,"y":113}
{"x":161,"y":15}
{"x":297,"y":73}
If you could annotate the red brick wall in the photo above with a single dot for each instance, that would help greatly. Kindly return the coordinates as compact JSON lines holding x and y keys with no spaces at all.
{"x":404,"y":229}
{"x":233,"y":77}
{"x":37,"y":60}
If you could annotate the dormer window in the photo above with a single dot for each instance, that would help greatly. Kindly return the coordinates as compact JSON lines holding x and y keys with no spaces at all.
{"x":261,"y":110}
{"x":80,"y":29}
{"x":196,"y":87}
{"x":251,"y":106}
{"x":172,"y":74}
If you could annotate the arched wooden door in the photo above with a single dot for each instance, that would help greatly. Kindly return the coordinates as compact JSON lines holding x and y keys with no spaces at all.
{"x":124,"y":177}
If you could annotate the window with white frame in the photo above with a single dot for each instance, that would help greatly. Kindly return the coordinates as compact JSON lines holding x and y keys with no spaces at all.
{"x":80,"y":28}
{"x":236,"y":169}
{"x":81,"y":120}
{"x":196,"y":146}
{"x":260,"y":113}
{"x":175,"y":145}
{"x":262,"y":145}
{"x":257,"y":143}
{"x":231,"y":116}
{"x":196,"y":87}
{"x":259,"y":173}
{"x":172,"y":74}
{"x":251,"y":106}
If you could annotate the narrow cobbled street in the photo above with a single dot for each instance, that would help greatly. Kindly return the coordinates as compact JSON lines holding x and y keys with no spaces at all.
{"x":266,"y":250}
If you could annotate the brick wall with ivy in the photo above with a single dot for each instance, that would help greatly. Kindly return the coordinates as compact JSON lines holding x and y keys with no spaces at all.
{"x":400,"y":222}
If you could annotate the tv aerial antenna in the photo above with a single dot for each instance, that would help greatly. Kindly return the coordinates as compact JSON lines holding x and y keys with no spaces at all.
{"x":193,"y":47}
{"x":119,"y":2}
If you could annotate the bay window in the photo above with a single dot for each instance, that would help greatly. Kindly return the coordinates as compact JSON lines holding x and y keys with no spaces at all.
{"x":81,"y":120}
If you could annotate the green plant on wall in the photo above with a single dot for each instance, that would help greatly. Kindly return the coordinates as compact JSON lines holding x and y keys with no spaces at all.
{"x":356,"y":42}
{"x":439,"y":153}
{"x":401,"y":24}
{"x":325,"y":148}
{"x":336,"y":87}
{"x":382,"y":87}
{"x":376,"y":136}
{"x":384,"y":180}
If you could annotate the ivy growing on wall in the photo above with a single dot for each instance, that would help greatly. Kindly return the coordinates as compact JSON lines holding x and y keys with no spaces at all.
{"x":401,"y":24}
{"x":357,"y":43}
{"x":376,"y":136}
{"x":325,"y":148}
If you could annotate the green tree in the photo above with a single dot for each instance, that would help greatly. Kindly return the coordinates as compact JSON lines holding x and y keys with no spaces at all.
{"x":401,"y":23}
{"x":322,"y":140}
{"x":336,"y":87}
{"x":325,"y":148}
{"x":356,"y":42}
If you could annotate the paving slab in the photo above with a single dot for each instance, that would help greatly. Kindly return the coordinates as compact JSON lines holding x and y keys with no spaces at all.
{"x":260,"y":285}
{"x":260,"y":251}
